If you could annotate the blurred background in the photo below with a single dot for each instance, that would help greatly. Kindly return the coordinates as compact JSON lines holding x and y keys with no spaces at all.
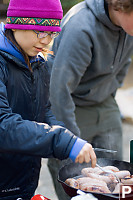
{"x":66,"y":4}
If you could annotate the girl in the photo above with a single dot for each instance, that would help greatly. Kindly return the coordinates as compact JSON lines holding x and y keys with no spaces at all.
{"x":28,"y":130}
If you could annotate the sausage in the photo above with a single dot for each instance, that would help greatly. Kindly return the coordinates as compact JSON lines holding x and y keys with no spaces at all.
{"x":127,"y":180}
{"x":122,"y":174}
{"x":72,"y":183}
{"x":99,"y":189}
{"x":92,"y":185}
{"x":112,"y":168}
{"x":91,"y":181}
{"x":96,"y":170}
{"x":108,"y":178}
{"x":87,"y":170}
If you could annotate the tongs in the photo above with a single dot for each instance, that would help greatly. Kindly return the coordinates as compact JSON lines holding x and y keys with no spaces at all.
{"x":109,"y":172}
{"x":105,"y":150}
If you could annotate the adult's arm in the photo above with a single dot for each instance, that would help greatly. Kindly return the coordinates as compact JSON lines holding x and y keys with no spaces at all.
{"x":73,"y":52}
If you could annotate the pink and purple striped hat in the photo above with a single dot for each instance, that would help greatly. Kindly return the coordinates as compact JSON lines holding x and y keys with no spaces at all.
{"x":41,"y":15}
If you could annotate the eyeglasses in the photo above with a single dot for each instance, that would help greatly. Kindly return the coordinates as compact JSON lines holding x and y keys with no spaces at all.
{"x":44,"y":34}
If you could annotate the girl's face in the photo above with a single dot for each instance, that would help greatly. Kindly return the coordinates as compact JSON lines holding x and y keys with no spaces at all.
{"x":29,"y":42}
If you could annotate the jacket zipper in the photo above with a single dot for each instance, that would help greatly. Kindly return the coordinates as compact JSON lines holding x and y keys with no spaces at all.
{"x":117,"y":48}
{"x":123,"y":44}
{"x":33,"y":94}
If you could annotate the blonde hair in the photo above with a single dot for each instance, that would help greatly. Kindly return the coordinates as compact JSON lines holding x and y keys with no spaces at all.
{"x":45,"y":53}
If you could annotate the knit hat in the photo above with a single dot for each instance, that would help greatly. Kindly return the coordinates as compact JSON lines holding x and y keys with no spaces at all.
{"x":41,"y":15}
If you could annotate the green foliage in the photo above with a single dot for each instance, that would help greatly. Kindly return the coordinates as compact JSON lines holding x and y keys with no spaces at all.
{"x":67,"y":4}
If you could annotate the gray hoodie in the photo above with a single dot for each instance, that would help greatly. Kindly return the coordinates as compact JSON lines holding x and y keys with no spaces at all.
{"x":92,"y":58}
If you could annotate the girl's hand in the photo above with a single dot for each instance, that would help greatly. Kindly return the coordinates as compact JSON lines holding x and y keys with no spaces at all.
{"x":86,"y":154}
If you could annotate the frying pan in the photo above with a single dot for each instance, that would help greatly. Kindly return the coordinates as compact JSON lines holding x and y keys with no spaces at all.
{"x":74,"y":169}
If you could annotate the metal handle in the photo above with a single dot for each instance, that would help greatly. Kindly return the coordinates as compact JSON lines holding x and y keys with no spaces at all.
{"x":105,"y":150}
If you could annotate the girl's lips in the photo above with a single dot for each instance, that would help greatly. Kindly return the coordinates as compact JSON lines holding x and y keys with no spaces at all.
{"x":38,"y":49}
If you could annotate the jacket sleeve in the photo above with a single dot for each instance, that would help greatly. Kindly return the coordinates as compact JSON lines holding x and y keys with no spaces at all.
{"x":29,"y":137}
{"x":72,"y":57}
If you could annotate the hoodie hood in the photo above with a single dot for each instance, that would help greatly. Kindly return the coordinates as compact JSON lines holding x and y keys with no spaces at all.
{"x":97,"y":7}
{"x":7,"y":46}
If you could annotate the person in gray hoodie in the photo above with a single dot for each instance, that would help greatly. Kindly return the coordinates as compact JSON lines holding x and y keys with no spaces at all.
{"x":91,"y":58}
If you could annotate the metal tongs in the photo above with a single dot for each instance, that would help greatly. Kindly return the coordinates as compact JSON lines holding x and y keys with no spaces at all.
{"x":104,"y":170}
{"x":105,"y":150}
{"x":109,"y":172}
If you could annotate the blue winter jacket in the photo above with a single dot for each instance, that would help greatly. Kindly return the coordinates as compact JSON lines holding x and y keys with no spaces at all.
{"x":28,"y":130}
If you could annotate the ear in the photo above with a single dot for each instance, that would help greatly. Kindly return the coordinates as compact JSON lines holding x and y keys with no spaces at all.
{"x":13,"y":30}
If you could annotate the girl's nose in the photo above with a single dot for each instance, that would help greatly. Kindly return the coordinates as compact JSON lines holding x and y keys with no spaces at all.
{"x":46,"y":40}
